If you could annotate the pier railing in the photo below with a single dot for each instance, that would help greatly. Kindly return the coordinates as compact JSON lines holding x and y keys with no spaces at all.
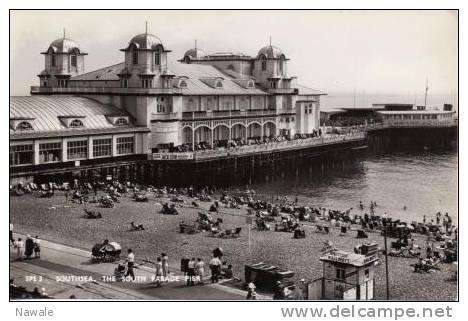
{"x":261,"y":148}
{"x":413,"y":123}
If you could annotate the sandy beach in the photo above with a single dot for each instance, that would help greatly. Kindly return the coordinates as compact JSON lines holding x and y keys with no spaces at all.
{"x":53,"y":219}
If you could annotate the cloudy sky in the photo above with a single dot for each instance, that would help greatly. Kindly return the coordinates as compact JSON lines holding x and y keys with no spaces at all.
{"x":334,"y":51}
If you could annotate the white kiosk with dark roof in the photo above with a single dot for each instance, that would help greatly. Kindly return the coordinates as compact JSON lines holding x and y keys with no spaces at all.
{"x":346,"y":275}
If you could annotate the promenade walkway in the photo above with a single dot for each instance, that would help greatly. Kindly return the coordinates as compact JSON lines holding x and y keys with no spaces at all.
{"x":64,"y":271}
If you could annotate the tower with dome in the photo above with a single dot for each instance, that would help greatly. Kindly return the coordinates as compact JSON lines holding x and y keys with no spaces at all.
{"x":63,"y":59}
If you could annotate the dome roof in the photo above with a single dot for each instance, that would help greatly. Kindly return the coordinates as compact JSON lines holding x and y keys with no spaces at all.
{"x":195,"y":53}
{"x":145,"y":41}
{"x":64,"y":45}
{"x":271,"y":52}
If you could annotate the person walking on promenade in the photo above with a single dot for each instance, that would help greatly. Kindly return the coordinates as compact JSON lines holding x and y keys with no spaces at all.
{"x":165,"y":266}
{"x":12,"y":240}
{"x":200,"y":266}
{"x":19,"y":245}
{"x":67,"y":194}
{"x":37,"y":247}
{"x":215,"y":266}
{"x":191,"y":272}
{"x":130,"y":263}
{"x":159,"y":272}
{"x":251,"y":294}
{"x":278,"y":293}
{"x":29,"y":247}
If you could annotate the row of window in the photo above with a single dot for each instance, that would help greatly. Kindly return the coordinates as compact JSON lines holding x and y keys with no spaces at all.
{"x":286,"y":119}
{"x":52,"y":152}
{"x":416,"y":116}
{"x":309,"y":108}
{"x":76,"y":123}
{"x":212,"y":103}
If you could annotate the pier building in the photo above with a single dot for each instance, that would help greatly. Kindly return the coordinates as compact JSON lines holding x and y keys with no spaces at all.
{"x":199,"y":102}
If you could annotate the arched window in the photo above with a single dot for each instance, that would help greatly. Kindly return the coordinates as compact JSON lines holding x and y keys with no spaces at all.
{"x":183,"y":84}
{"x":53,"y":60}
{"x":250,"y":84}
{"x":231,"y":67}
{"x":76,"y":123}
{"x":157,"y":57}
{"x":219,"y":84}
{"x":187,"y":59}
{"x":121,"y":121}
{"x":264,"y":62}
{"x":24,"y":125}
{"x":73,"y":60}
{"x":135,"y":57}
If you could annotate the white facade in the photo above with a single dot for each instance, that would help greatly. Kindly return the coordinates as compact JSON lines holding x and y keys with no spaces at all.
{"x":200,"y":99}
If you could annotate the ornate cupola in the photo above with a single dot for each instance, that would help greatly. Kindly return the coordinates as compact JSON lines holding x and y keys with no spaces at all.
{"x":270,"y":66}
{"x":193,"y":54}
{"x":63,"y":59}
{"x":145,"y":57}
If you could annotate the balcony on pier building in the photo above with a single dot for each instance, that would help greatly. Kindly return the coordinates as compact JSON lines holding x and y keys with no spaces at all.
{"x":37,"y":90}
{"x":212,"y":114}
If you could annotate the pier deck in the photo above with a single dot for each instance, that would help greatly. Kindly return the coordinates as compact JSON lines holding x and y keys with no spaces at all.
{"x":261,"y":148}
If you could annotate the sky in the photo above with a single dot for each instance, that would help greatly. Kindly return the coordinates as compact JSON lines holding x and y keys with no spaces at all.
{"x":386,"y":52}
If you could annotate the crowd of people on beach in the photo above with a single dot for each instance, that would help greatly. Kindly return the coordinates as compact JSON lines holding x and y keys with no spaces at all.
{"x":282,"y":213}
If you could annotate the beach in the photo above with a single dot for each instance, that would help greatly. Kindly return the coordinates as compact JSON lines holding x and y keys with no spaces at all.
{"x":52,"y":219}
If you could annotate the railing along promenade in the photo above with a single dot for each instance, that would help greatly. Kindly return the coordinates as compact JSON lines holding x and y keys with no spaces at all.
{"x":261,"y":148}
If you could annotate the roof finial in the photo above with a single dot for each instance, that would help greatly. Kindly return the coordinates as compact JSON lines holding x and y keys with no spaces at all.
{"x":270,"y":41}
{"x":146,"y":27}
{"x":63,"y":33}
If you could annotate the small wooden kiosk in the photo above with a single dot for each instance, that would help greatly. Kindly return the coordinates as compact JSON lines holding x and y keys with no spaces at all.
{"x":346,"y":275}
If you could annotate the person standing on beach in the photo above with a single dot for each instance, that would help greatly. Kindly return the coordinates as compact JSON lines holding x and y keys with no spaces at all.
{"x":66,"y":196}
{"x":130,"y":263}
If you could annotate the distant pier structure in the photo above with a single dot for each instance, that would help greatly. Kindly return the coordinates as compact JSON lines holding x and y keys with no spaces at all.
{"x":397,"y":126}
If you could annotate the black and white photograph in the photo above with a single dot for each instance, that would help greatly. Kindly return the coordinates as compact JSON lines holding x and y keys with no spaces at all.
{"x":233,"y":155}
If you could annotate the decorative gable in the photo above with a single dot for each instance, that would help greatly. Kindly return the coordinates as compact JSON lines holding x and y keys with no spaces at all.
{"x":73,"y":121}
{"x":213,"y":82}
